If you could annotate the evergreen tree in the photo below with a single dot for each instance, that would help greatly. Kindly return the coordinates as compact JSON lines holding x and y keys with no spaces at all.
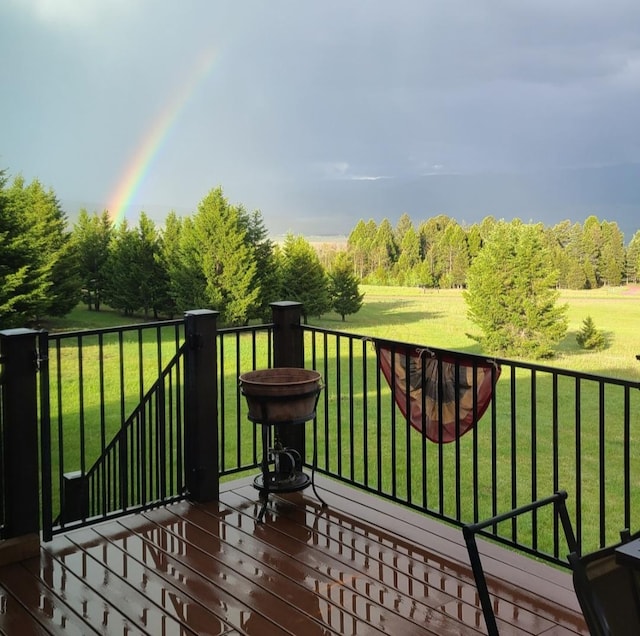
{"x":591,"y":250}
{"x":435,"y":249}
{"x":267,"y":278}
{"x":384,"y":250}
{"x":359,"y":246}
{"x":589,"y":337}
{"x":612,"y":256}
{"x":303,"y":277}
{"x":345,"y":295}
{"x":47,"y":224}
{"x":170,"y":257}
{"x":41,"y":274}
{"x":124,"y":271}
{"x":137,"y":275}
{"x":474,"y":241}
{"x":579,"y":271}
{"x":403,"y":225}
{"x":454,"y":254}
{"x":15,"y":261}
{"x":154,"y":279}
{"x":633,"y":259}
{"x":188,"y":282}
{"x":406,"y":268}
{"x":511,"y":294}
{"x":218,"y":239}
{"x":91,"y":238}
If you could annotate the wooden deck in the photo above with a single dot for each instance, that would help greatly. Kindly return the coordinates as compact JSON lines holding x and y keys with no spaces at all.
{"x":360,"y":566}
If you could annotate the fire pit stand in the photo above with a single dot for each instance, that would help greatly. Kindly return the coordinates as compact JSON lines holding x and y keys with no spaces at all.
{"x":279,"y":399}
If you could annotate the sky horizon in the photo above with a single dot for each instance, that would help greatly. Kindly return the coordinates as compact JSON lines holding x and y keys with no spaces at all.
{"x":321,"y":114}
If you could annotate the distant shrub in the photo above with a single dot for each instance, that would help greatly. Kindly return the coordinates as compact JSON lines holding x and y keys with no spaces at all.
{"x":589,"y":337}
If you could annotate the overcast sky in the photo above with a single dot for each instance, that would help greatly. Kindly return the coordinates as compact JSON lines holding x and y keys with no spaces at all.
{"x":321,"y":113}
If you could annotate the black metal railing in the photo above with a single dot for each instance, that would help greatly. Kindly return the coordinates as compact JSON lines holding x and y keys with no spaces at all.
{"x":143,"y":463}
{"x":240,"y":349}
{"x":546,"y":429}
{"x":115,"y":407}
{"x":116,"y":402}
{"x":2,"y":450}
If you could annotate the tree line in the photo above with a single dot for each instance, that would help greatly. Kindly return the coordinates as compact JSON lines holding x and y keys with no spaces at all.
{"x":220,"y":257}
{"x":438,"y":252}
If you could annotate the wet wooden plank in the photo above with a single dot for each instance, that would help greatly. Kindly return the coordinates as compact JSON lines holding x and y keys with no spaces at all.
{"x":345,"y":594}
{"x":179,"y":598}
{"x":517,"y":583}
{"x":44,"y":611}
{"x":361,"y":566}
{"x":14,"y":617}
{"x":450,"y":590}
{"x":256,"y":582}
{"x":403,"y":581}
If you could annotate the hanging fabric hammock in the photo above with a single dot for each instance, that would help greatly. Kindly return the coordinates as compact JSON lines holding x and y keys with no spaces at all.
{"x":441,"y":396}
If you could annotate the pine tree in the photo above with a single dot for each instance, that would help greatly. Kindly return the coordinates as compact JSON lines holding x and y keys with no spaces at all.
{"x":511,"y":294}
{"x":48,"y":222}
{"x":267,"y":278}
{"x":405,"y":270}
{"x":303,"y":277}
{"x":169,"y":256}
{"x":589,"y":337}
{"x":633,"y":259}
{"x":15,"y":259}
{"x":124,"y":272}
{"x":359,"y":246}
{"x":344,"y":292}
{"x":154,"y":278}
{"x":39,"y":262}
{"x":217,"y":239}
{"x":91,"y":238}
{"x":188,"y":283}
{"x":612,"y":257}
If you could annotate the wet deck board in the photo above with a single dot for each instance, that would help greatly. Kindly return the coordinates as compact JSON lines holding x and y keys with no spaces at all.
{"x":359,"y":566}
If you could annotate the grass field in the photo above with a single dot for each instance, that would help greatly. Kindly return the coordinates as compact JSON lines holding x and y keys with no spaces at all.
{"x":438,"y":318}
{"x":429,"y":318}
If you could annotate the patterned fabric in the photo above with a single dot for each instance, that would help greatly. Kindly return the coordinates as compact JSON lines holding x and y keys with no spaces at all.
{"x":436,"y":392}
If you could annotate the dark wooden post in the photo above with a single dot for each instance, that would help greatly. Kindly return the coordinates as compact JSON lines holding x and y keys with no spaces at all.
{"x":20,"y":444}
{"x":288,"y":343}
{"x":76,"y":496}
{"x":288,"y":351}
{"x":201,"y":406}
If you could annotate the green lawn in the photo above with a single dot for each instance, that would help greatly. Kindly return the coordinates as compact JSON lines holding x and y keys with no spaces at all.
{"x":430,"y":318}
{"x":82,"y":318}
{"x":438,"y":318}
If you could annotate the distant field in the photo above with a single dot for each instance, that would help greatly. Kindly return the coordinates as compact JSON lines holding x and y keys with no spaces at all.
{"x":439,"y":318}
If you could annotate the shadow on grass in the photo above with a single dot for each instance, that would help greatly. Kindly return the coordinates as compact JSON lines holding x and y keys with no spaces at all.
{"x":392,"y":313}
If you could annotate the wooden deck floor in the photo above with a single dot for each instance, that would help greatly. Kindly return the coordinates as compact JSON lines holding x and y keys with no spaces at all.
{"x":360,"y":566}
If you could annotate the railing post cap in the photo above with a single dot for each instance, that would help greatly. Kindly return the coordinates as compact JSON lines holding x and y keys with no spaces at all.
{"x":201,"y":312}
{"x":18,"y":331}
{"x":285,"y":303}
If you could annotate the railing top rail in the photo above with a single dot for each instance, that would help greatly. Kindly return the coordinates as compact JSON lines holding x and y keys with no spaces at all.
{"x":507,"y":362}
{"x":249,"y":328}
{"x":61,"y":335}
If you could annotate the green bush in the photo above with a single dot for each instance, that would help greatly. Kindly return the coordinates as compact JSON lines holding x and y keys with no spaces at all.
{"x":589,"y":337}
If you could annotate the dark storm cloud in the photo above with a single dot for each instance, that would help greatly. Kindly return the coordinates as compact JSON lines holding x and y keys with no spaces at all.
{"x":306,"y":96}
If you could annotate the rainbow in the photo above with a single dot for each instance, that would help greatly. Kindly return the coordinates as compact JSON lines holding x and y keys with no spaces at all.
{"x":151,"y":143}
